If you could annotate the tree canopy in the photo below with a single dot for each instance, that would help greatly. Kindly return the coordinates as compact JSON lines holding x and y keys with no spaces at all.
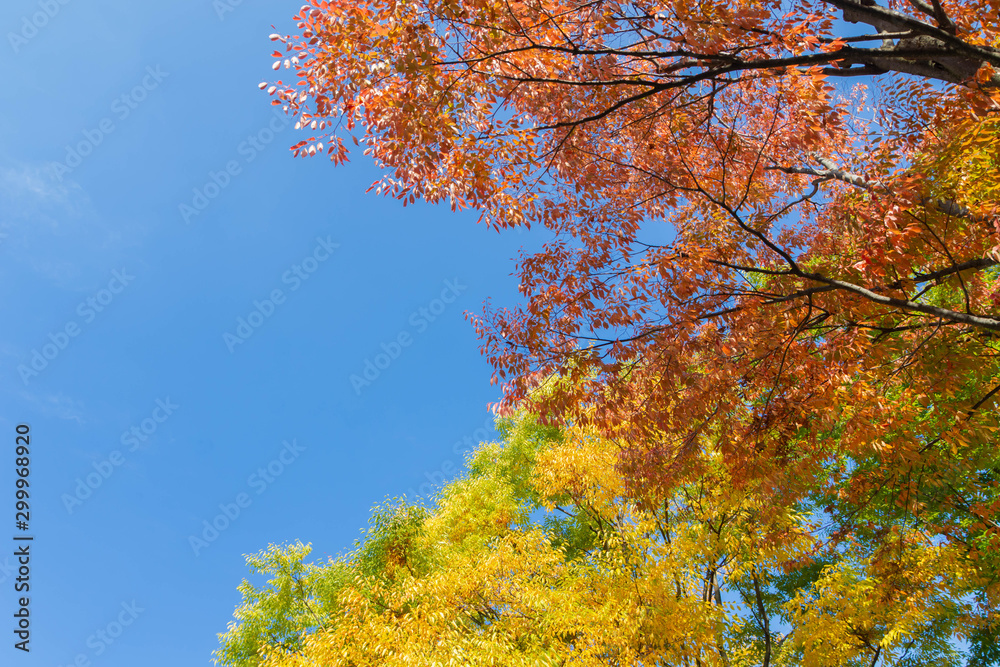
{"x":830,"y":259}
{"x":538,"y":556}
{"x":772,"y":274}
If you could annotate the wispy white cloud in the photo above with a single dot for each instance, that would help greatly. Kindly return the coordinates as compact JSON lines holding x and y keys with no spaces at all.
{"x":53,"y":406}
{"x":49,"y":228}
{"x":28,"y":189}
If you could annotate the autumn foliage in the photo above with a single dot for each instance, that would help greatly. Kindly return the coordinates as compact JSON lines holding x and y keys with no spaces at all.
{"x":774,"y":231}
{"x":538,"y":556}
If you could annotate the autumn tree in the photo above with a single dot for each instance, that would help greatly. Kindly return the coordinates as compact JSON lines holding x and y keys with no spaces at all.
{"x":539,"y":556}
{"x":774,"y":222}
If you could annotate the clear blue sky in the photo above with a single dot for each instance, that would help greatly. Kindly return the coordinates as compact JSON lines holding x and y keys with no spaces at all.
{"x":127,"y":305}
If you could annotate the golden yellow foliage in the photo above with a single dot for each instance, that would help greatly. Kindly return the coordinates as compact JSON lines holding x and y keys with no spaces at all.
{"x":538,"y":556}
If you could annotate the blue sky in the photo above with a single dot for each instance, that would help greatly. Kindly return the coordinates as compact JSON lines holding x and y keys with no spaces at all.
{"x":145,"y":418}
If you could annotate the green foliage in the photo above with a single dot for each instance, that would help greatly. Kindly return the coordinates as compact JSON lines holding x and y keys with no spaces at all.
{"x":537,"y":555}
{"x":294,"y":601}
{"x":390,"y":541}
{"x":984,"y":647}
